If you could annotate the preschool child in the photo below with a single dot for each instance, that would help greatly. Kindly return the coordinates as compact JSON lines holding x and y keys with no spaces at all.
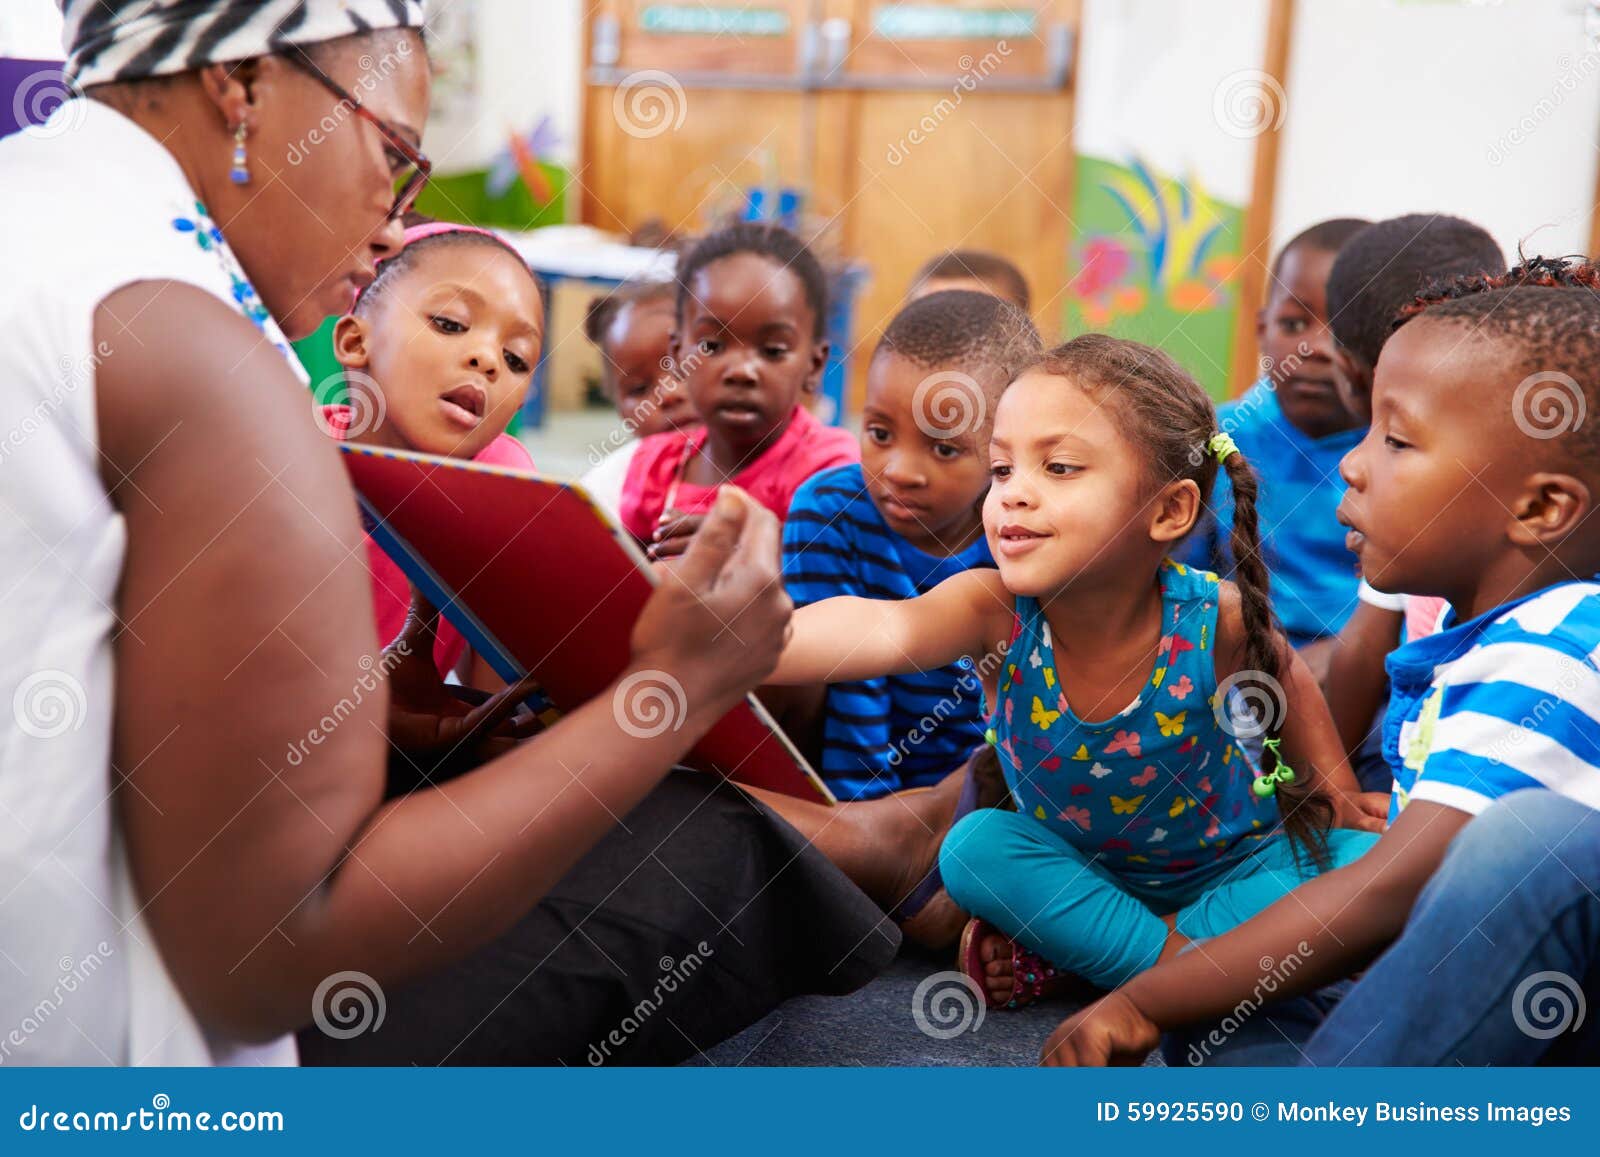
{"x":975,"y":269}
{"x":631,"y":327}
{"x":1292,"y":426}
{"x":749,"y":345}
{"x":903,"y":520}
{"x":1377,"y":273}
{"x":1471,"y":488}
{"x":1112,"y":709}
{"x":438,"y":352}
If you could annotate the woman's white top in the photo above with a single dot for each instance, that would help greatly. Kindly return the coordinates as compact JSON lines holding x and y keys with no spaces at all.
{"x":89,"y":203}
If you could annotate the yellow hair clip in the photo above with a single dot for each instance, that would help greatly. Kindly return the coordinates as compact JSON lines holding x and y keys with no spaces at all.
{"x":1222,"y":445}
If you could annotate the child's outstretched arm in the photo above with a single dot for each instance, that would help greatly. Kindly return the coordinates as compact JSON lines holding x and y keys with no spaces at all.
{"x":844,"y":640}
{"x":1334,"y":925}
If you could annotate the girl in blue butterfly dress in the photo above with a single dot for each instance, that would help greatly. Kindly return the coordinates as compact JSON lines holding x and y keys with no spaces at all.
{"x":1128,"y":692}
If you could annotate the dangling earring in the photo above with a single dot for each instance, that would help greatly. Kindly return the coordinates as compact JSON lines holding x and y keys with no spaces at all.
{"x":239,"y":174}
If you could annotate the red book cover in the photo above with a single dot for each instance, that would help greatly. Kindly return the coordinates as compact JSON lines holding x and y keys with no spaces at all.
{"x":539,"y":579}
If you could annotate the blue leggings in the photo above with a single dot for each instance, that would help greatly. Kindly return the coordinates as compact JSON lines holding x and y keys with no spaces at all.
{"x":1038,"y":889}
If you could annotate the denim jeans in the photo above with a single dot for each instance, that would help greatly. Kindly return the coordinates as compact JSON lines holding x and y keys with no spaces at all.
{"x":1499,"y":963}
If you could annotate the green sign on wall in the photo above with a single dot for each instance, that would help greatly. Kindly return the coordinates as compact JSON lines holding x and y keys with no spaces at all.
{"x":700,"y":20}
{"x":934,"y":22}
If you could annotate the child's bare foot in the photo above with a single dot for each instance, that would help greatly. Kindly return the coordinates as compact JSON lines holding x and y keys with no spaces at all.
{"x":999,"y":979}
{"x":1012,"y":976}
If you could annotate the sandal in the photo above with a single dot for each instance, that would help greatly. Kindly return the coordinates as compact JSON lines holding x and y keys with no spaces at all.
{"x":1032,"y":976}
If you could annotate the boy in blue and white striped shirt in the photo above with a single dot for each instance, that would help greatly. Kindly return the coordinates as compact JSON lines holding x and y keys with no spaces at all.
{"x":904,"y":520}
{"x":1476,"y":483}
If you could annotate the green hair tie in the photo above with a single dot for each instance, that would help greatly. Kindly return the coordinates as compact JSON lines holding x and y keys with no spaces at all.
{"x":1222,"y":445}
{"x":1267,"y":783}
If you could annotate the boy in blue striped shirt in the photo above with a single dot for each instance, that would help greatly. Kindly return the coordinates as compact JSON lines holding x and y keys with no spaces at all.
{"x":902,"y":521}
{"x":1476,"y":483}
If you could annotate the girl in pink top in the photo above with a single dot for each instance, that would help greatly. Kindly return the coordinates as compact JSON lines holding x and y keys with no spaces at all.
{"x":438,"y":353}
{"x":752,"y":303}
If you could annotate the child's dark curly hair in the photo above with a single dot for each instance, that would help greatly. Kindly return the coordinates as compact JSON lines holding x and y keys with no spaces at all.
{"x":1169,"y":416}
{"x":771,"y":241}
{"x":1544,"y":312}
{"x":963,"y":329}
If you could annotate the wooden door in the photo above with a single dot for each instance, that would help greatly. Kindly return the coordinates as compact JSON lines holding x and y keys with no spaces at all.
{"x":688,"y":105}
{"x":911,"y":128}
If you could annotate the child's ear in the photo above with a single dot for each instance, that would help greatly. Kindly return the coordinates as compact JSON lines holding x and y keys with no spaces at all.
{"x":350,"y":342}
{"x":1175,"y":511}
{"x":1550,"y":507}
{"x":819,"y":362}
{"x":675,"y":346}
{"x":1353,"y":379}
{"x":1261,"y":324}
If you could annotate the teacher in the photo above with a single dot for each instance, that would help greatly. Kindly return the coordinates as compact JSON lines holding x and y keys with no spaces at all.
{"x":185,"y":601}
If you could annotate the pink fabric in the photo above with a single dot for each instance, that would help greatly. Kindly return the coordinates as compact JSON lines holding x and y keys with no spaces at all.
{"x":391,"y":590}
{"x":806,"y":447}
{"x":1423,"y":614}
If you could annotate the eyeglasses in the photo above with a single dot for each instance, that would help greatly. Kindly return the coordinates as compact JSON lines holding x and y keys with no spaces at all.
{"x":408,"y":180}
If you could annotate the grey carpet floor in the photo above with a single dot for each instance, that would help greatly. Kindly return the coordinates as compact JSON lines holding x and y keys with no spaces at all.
{"x":887,"y":1023}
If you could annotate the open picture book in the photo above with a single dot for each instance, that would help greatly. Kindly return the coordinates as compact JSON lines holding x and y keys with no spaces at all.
{"x":541,"y":580}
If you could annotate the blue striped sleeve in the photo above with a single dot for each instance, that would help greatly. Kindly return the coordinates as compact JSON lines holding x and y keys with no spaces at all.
{"x":1514,"y":714}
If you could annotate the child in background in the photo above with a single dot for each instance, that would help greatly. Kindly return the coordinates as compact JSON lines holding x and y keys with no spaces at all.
{"x":632,"y":329}
{"x":1140,"y":822}
{"x":751,"y":308}
{"x":973,"y":269}
{"x":1378,"y":272}
{"x":1473,"y":489}
{"x":1293,"y":426}
{"x":438,"y":353}
{"x":902,"y":521}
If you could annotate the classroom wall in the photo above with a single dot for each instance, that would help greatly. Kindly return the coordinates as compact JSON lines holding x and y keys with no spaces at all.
{"x":1487,"y":111}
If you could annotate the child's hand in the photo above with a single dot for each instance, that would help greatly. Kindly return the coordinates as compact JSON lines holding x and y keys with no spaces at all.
{"x":673,"y":534}
{"x":720,"y":614}
{"x":427,"y":723}
{"x":1111,"y":1031}
{"x":1366,"y":811}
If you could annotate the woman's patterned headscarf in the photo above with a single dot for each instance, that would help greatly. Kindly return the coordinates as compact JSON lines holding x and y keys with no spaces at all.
{"x":109,"y":40}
